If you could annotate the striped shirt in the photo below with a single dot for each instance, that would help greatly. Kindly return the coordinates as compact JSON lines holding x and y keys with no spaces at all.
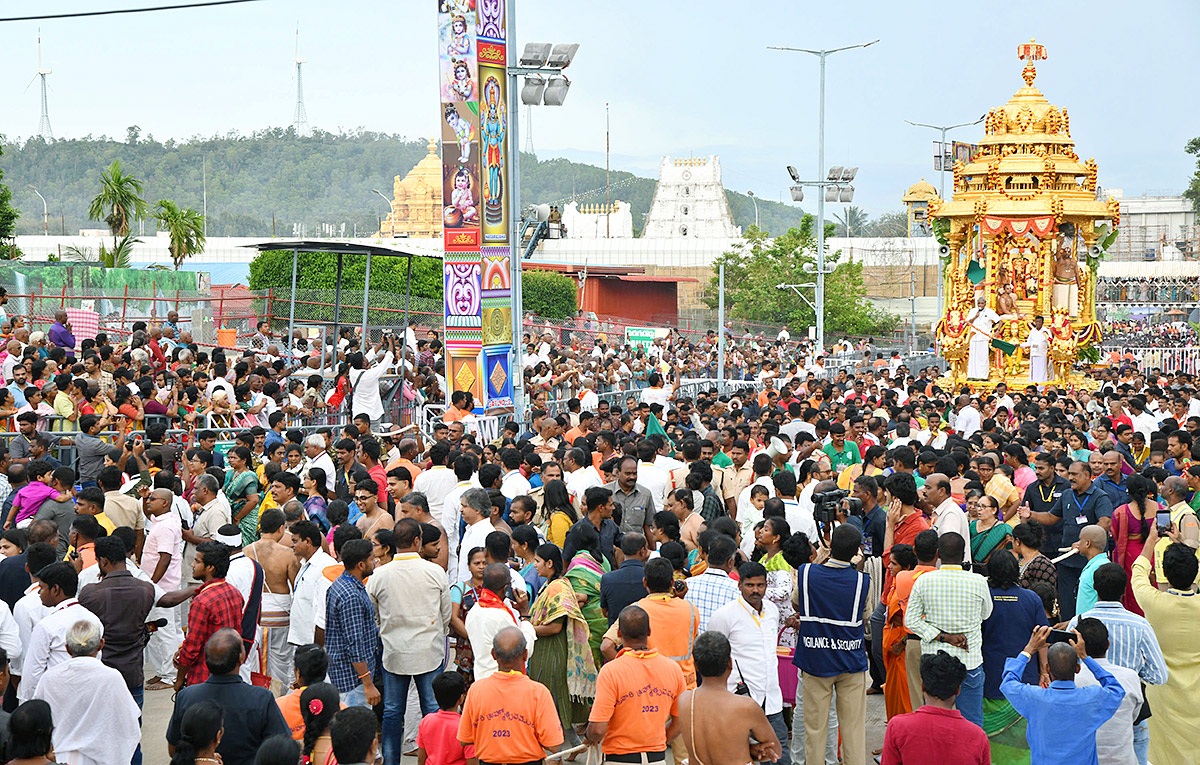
{"x":1131,"y":641}
{"x":953,"y":601}
{"x":709,"y":591}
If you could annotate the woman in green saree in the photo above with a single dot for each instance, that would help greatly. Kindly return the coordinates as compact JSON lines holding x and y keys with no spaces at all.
{"x":584,"y":574}
{"x":241,"y":489}
{"x":988,"y":532}
{"x":562,"y":657}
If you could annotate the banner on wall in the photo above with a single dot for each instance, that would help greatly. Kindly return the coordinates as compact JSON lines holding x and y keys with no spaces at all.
{"x":473,"y":89}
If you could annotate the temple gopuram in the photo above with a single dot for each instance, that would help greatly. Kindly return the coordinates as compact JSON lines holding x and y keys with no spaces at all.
{"x":1024,"y":232}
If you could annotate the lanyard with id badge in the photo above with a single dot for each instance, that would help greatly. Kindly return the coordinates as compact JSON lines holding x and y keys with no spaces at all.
{"x":1081,"y":518}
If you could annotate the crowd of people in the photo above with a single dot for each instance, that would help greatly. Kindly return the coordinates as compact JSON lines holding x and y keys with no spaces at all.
{"x":726,"y":573}
{"x":1144,"y":334}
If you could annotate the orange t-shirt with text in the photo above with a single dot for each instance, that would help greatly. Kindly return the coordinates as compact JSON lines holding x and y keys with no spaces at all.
{"x":510,"y":718}
{"x":674,"y":624}
{"x":637,"y":693}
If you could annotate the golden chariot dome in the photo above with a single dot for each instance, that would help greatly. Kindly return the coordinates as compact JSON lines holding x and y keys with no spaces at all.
{"x":921,"y":191}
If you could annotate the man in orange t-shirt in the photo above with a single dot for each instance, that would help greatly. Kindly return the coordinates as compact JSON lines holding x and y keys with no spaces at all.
{"x":636,"y":711}
{"x":674,"y":622}
{"x":508,"y":717}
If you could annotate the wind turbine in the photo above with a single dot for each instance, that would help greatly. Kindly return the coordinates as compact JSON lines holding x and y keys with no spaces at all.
{"x":300,"y":119}
{"x":44,"y":124}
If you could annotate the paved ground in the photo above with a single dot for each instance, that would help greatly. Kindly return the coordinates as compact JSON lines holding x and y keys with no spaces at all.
{"x":157,"y":713}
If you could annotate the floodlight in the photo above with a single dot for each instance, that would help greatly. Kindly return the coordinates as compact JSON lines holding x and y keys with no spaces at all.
{"x":797,"y":193}
{"x":835,"y":173}
{"x":847,"y":194}
{"x":561,"y":55}
{"x":848,"y":173}
{"x":556,"y":91}
{"x":792,"y":172}
{"x":531,"y":93}
{"x":542,"y":212}
{"x":831,"y":193}
{"x":535,"y":54}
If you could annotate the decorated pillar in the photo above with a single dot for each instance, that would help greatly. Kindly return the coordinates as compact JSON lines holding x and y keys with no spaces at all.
{"x":475,"y":179}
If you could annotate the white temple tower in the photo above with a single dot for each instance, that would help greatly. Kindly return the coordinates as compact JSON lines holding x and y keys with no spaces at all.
{"x":689,"y":201}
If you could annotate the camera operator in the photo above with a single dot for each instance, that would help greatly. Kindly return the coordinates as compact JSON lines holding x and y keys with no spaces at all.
{"x":869,"y":517}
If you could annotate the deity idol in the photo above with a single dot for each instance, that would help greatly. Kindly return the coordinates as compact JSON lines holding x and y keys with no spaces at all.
{"x":460,"y":42}
{"x":461,"y":199}
{"x":1066,"y":271}
{"x":462,"y":130}
{"x":493,"y":129}
{"x":461,"y":83}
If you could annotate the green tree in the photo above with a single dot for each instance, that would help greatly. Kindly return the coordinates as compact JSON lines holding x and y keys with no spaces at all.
{"x":184,"y":227}
{"x":853,"y":222}
{"x":119,"y":202}
{"x":120,"y":256}
{"x":1193,"y":189}
{"x":754,"y":268}
{"x":890,"y":224}
{"x":8,"y":222}
{"x":549,"y":294}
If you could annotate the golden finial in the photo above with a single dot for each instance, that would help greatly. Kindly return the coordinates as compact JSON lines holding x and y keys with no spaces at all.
{"x":1030,"y":52}
{"x":432,"y":146}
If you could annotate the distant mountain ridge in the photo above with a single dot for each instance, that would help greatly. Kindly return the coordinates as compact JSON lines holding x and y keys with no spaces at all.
{"x":272,"y":182}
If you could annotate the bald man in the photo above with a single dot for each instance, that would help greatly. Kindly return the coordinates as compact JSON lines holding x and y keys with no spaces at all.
{"x":1092,"y":544}
{"x":1063,"y":719}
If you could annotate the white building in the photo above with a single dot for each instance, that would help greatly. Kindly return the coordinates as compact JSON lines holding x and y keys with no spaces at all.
{"x":1156,"y":228}
{"x":689,"y":201}
{"x":598,"y":221}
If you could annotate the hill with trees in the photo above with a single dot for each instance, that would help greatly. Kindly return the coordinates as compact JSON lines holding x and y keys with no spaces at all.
{"x":274,"y":182}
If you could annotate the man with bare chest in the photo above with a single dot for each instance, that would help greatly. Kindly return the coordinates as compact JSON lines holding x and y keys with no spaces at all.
{"x":374,"y":517}
{"x":279,"y":573}
{"x":720,"y":727}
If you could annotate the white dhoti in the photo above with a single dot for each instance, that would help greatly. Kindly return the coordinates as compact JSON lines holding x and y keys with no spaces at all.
{"x":1039,"y":368}
{"x":165,"y":641}
{"x":253,"y":658}
{"x":275,"y":655}
{"x":1067,"y":295}
{"x":977,"y":357}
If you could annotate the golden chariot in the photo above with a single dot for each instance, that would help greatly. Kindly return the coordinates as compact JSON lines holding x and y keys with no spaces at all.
{"x":1023,"y":232}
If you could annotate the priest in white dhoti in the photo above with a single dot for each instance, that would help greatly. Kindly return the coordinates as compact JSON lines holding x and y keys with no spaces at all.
{"x":95,"y":718}
{"x":982,"y":319}
{"x":1038,"y":344}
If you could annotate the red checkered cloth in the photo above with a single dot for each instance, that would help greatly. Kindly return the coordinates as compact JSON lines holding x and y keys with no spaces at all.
{"x":85,"y":324}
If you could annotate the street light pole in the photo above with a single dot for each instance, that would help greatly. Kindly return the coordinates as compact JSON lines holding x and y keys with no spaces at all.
{"x":820,"y":306}
{"x":942,"y":186}
{"x":755,"y":201}
{"x":389,"y":205}
{"x":45,"y":212}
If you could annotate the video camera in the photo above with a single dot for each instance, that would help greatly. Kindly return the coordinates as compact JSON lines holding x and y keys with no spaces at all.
{"x":825,"y":505}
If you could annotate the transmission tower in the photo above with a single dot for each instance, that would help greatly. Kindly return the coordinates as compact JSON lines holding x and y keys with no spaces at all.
{"x":300,"y":119}
{"x":44,"y":124}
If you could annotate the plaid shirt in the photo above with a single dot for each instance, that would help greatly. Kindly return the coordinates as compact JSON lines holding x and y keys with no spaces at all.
{"x":351,"y":634}
{"x":953,"y":601}
{"x":712,"y":508}
{"x":709,"y":591}
{"x":216,"y":605}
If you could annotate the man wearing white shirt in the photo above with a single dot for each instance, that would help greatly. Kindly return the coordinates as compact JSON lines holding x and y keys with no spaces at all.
{"x":967,"y":421}
{"x":656,"y":393}
{"x":476,"y":509}
{"x":365,"y":383}
{"x":751,"y":623}
{"x":747,"y":514}
{"x":947,"y":515}
{"x":436,"y":482}
{"x":451,"y":512}
{"x":650,"y":476}
{"x":514,"y":483}
{"x":491,"y":614}
{"x":578,"y":476}
{"x":48,"y":642}
{"x":314,"y":449}
{"x":30,"y":610}
{"x":307,"y":619}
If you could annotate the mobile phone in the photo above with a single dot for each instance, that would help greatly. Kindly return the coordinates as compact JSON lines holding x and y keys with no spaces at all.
{"x":1060,"y":636}
{"x":1163,"y":521}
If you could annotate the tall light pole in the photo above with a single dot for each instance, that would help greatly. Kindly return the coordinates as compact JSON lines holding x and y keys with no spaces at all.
{"x":45,"y":212}
{"x":820,"y":306}
{"x":389,"y":205}
{"x":942,"y":185}
{"x":755,"y":201}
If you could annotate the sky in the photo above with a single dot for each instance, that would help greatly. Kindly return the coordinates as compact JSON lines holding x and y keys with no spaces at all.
{"x":679,"y":79}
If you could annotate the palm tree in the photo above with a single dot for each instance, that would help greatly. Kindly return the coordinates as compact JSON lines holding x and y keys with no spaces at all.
{"x":852,"y":222}
{"x":119,"y":202}
{"x":120,"y":256}
{"x":184,"y":226}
